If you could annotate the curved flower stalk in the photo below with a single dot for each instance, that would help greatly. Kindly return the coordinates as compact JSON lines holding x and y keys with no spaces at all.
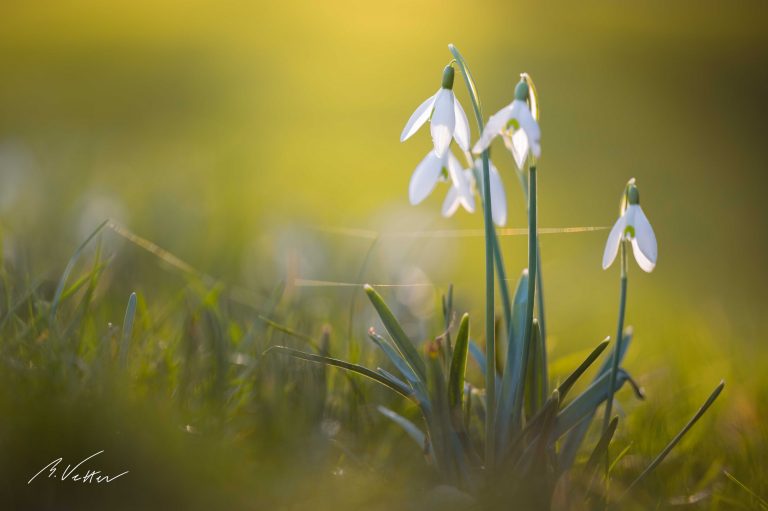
{"x":434,"y":168}
{"x":446,"y":117}
{"x":517,"y":127}
{"x":633,"y":227}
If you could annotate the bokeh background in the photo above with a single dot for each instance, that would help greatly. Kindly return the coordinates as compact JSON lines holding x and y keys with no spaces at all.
{"x":252,"y":139}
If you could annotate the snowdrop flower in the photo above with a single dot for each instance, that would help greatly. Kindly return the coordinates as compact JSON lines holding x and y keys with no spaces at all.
{"x":447,"y":118}
{"x":455,"y":198}
{"x":516,"y":125}
{"x":433,"y":169}
{"x":498,"y":196}
{"x":632,"y":226}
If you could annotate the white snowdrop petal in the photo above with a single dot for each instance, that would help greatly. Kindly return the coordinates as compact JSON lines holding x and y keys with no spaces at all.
{"x":645,"y":264}
{"x":461,"y":133}
{"x":614,"y":240}
{"x":418,"y":118}
{"x":531,"y":128}
{"x":496,"y":123}
{"x":518,"y":146}
{"x":498,"y":197}
{"x":424,"y":178}
{"x":443,"y":122}
{"x":453,"y":165}
{"x":467,"y":200}
{"x":646,"y":239}
{"x":451,"y":202}
{"x":461,"y":183}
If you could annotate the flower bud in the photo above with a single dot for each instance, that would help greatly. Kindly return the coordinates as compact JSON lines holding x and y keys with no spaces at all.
{"x":448,"y":74}
{"x":521,"y":90}
{"x":633,"y":195}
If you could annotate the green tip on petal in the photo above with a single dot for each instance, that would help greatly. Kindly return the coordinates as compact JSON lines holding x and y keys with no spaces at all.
{"x":633,"y":194}
{"x":448,"y":74}
{"x":521,"y":90}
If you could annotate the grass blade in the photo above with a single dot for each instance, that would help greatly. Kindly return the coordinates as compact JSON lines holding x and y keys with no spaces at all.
{"x":125,"y":339}
{"x":671,"y":445}
{"x":70,"y":267}
{"x":286,"y":330}
{"x":760,"y":501}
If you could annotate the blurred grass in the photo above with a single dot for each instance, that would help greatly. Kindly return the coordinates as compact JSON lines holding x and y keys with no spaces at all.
{"x":227,"y":131}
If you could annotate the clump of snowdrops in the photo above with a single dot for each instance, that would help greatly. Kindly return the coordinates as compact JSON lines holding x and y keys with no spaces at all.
{"x":521,"y":437}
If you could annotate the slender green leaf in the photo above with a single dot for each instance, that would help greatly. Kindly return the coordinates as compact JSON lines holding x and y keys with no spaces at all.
{"x":397,"y":333}
{"x":575,"y":437}
{"x":396,"y":358}
{"x":601,"y":449}
{"x":512,"y":379}
{"x":448,"y":318}
{"x":540,"y":431}
{"x":363,"y":371}
{"x":535,"y":374}
{"x":478,"y":356}
{"x":459,"y":364}
{"x":566,"y":386}
{"x":394,"y":379}
{"x":409,"y":427}
{"x":585,"y":404}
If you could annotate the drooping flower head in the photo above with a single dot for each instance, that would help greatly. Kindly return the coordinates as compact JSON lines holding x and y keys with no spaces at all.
{"x":454,"y":197}
{"x":516,"y":125}
{"x":446,"y":117}
{"x":633,"y":227}
{"x":435,"y":168}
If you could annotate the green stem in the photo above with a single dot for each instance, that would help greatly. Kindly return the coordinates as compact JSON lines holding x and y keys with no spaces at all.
{"x":540,"y":316}
{"x":540,"y":298}
{"x":619,"y":336}
{"x":501,"y":277}
{"x":532,"y":271}
{"x":533,"y":238}
{"x":539,"y":281}
{"x":490,"y":341}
